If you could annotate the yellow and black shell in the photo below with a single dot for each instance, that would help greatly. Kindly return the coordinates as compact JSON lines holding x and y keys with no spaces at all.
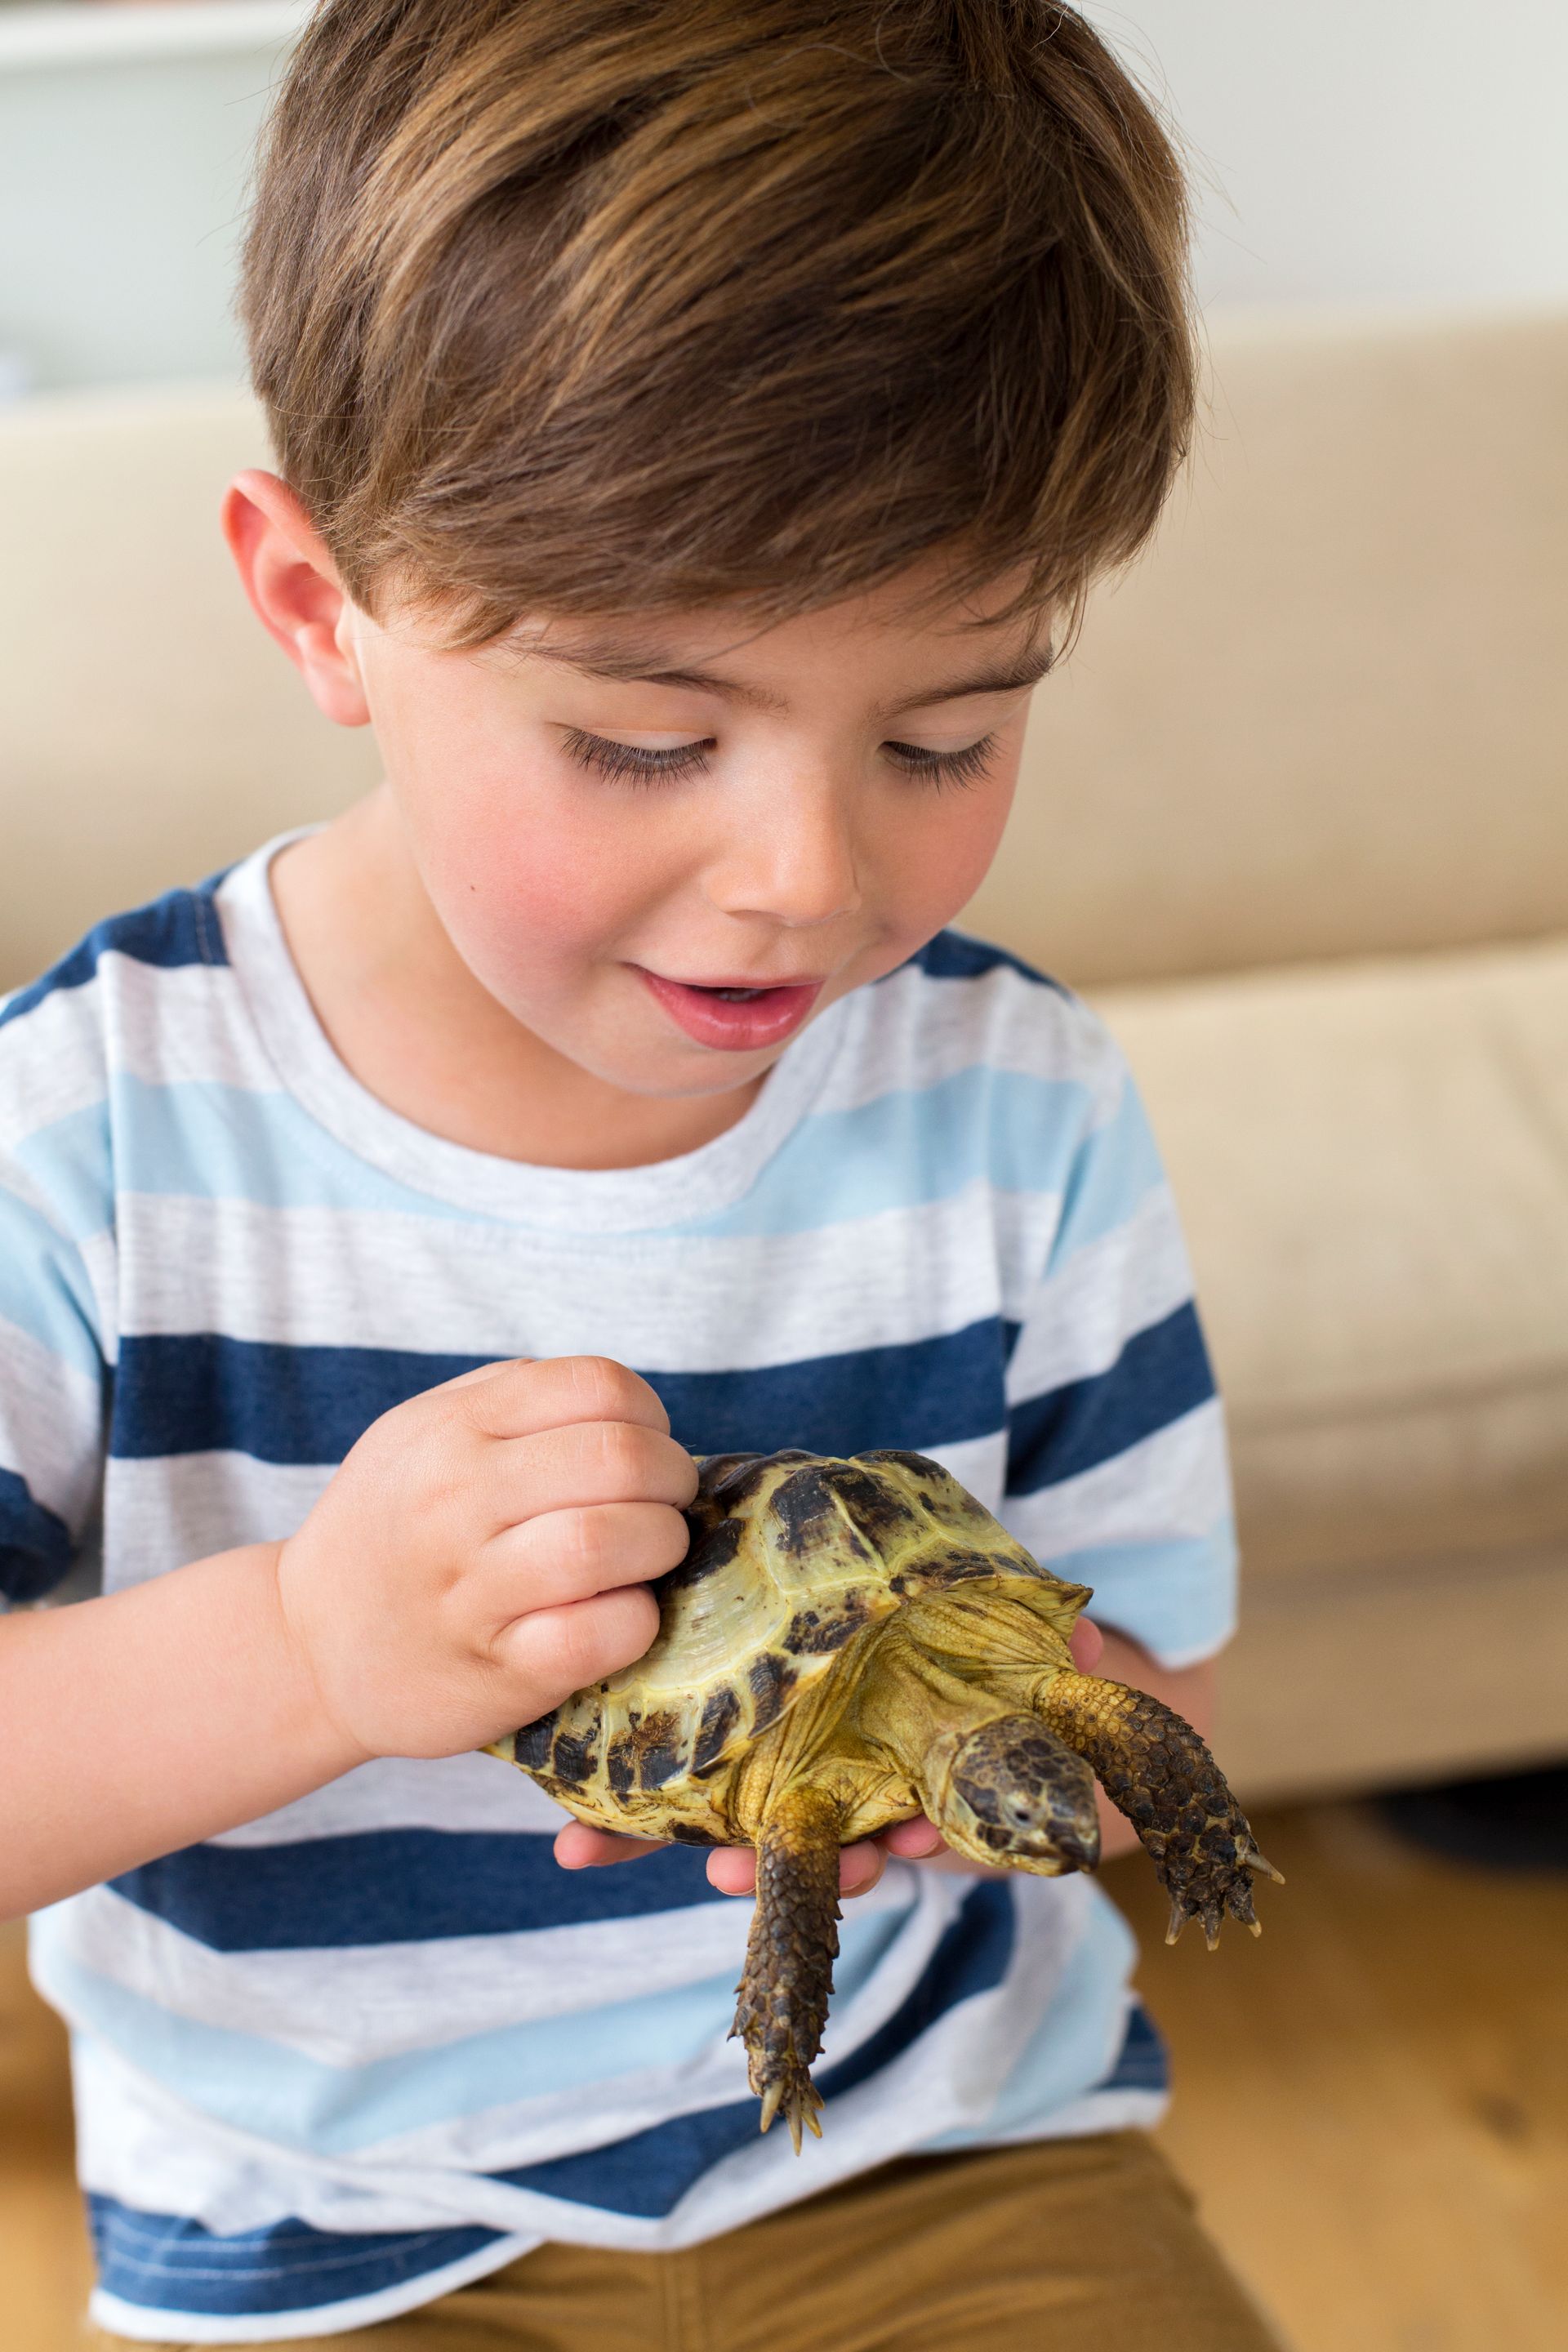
{"x":792,"y":1555}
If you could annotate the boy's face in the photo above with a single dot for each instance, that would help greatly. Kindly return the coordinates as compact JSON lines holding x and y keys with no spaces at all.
{"x":663,"y":847}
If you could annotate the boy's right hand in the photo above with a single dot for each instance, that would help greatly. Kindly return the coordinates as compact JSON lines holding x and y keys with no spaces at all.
{"x":485,"y":1551}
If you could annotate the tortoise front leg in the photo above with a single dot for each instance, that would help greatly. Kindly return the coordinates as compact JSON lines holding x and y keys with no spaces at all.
{"x":1154,"y":1766}
{"x":783,"y":1992}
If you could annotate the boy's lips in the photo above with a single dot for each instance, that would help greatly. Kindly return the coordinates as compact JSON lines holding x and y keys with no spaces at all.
{"x":735,"y":1015}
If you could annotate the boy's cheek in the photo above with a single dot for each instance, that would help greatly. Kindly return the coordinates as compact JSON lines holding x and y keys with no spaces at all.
{"x":526,"y":902}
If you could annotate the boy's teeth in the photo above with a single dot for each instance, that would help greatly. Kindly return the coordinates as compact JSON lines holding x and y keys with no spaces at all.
{"x":737,"y":995}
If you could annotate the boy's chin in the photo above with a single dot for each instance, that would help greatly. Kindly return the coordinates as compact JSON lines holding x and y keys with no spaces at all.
{"x":692,"y":1076}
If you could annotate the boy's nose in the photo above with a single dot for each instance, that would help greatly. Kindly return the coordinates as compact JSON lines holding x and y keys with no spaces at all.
{"x":794,"y":863}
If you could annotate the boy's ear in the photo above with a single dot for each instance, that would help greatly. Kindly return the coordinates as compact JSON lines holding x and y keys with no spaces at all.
{"x":295,"y":592}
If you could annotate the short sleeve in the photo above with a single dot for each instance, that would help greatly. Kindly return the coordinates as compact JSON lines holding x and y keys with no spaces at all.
{"x":56,"y":1206}
{"x":1117,"y":1469}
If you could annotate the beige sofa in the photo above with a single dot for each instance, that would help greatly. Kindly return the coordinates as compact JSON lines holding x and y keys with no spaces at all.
{"x":1296,"y":817}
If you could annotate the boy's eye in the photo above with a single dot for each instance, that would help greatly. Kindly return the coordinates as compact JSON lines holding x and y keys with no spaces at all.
{"x":640,"y":764}
{"x":635,"y":760}
{"x":964,"y":767}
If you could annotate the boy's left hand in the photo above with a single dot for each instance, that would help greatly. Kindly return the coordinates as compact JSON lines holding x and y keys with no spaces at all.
{"x":733,"y":1869}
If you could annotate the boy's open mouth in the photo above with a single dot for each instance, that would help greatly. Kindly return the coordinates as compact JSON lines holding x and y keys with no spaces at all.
{"x":730,"y":1015}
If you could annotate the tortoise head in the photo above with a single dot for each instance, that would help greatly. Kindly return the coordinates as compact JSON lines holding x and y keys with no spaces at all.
{"x":1012,"y":1792}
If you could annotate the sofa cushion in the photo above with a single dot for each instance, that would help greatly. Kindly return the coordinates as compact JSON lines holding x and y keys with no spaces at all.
{"x":1372,"y":1162}
{"x":149,"y":729}
{"x":1325,"y":715}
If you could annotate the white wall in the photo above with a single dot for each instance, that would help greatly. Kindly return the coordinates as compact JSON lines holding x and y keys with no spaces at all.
{"x":125,"y":143}
{"x":1383,"y":151}
{"x":1366,"y":151}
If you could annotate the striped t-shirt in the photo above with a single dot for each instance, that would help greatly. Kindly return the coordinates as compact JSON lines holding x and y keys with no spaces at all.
{"x":332,"y":2064}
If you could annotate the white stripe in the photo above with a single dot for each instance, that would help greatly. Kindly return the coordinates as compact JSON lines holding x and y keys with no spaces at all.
{"x":51,"y":1425}
{"x":328,"y":1278}
{"x":478,"y":1794}
{"x":909,"y":1032}
{"x":163,"y":1511}
{"x":52,"y":1062}
{"x":1081,"y":1319}
{"x":161,"y":1025}
{"x":181,"y":1025}
{"x":350,"y":2006}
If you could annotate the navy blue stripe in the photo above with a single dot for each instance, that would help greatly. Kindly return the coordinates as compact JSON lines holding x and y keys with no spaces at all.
{"x":35,"y":1546}
{"x":195,"y":1393}
{"x":199,"y":1391}
{"x":180,"y":927}
{"x":162,"y":2262}
{"x":1160,"y":1374}
{"x":400,"y":1886}
{"x":1141,"y":2063}
{"x":951,"y":956}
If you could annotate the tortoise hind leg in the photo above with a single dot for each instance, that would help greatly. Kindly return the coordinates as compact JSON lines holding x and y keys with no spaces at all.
{"x":784,"y":1991}
{"x":1154,"y":1766}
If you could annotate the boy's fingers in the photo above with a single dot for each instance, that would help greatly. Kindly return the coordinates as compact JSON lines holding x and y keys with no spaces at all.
{"x":585,"y":1463}
{"x":566,"y":1556}
{"x":733,"y":1869}
{"x":914,"y":1841}
{"x":551,"y":1653}
{"x":1086,"y":1644}
{"x":579,"y":1847}
{"x":860,"y":1868}
{"x":527,"y":1394}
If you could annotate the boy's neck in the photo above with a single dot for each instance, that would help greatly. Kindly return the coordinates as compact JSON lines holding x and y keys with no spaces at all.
{"x":411,"y":1023}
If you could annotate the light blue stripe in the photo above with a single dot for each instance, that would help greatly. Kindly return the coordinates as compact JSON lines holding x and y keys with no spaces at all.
{"x":195,"y":1138}
{"x":1116,"y":1168}
{"x":1177,"y":1597}
{"x":911,"y":1146}
{"x":300,"y":2102}
{"x":1067,"y":2055}
{"x":70,"y":1162}
{"x":43,"y":1288}
{"x":199,"y":1139}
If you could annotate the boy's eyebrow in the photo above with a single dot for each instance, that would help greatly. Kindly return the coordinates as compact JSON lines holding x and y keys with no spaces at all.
{"x":1010,"y":677}
{"x":637,"y":667}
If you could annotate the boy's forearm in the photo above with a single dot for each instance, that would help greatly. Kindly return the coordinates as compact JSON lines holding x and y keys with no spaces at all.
{"x":144,"y":1721}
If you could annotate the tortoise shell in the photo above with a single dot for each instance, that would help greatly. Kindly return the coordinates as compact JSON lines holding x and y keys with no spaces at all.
{"x":792,"y":1555}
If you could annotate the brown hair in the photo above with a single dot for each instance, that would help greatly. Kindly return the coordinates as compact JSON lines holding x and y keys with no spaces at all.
{"x":594,"y":306}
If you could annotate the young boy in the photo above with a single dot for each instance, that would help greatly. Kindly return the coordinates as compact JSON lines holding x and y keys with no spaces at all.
{"x":693,"y":418}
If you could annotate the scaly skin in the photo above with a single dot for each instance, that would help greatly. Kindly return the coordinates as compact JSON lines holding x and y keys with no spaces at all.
{"x":1152,"y":1765}
{"x":784,"y":1991}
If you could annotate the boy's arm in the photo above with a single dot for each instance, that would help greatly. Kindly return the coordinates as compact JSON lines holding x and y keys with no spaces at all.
{"x":484,"y":1551}
{"x":151,"y":1718}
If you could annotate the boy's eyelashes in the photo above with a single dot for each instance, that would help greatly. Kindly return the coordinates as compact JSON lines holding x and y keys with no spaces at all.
{"x":636,"y":763}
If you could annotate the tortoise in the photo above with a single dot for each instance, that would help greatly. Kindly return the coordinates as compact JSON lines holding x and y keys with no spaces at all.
{"x":850,"y":1641}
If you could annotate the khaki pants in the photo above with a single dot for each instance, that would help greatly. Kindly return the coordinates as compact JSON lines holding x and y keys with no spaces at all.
{"x":1079,"y":2245}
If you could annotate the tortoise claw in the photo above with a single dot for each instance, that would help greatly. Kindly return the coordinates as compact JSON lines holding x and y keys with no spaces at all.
{"x":1255,"y":1861}
{"x":800,"y":2099}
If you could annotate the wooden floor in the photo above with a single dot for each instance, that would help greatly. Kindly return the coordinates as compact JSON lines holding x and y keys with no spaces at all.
{"x":1372,"y":2102}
